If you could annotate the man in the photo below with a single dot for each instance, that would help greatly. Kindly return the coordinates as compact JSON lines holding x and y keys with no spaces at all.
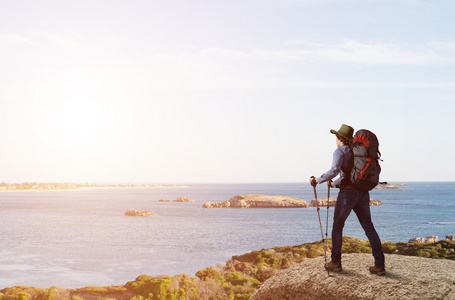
{"x":349,"y":198}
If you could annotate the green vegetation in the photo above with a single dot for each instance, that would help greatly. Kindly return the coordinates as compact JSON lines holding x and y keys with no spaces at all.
{"x":442,"y":250}
{"x":237,"y":279}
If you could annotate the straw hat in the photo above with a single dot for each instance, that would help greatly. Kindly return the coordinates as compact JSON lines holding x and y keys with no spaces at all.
{"x":344,"y":131}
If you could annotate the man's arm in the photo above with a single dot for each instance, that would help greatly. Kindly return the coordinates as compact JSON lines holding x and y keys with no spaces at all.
{"x":334,"y":170}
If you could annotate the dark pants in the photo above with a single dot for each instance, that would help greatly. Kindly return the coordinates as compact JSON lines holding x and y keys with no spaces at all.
{"x":359,"y":201}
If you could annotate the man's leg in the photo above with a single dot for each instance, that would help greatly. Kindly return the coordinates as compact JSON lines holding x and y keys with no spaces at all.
{"x":343,"y":208}
{"x":362,"y":210}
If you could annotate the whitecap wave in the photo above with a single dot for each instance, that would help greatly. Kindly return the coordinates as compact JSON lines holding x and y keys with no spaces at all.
{"x":440,"y":223}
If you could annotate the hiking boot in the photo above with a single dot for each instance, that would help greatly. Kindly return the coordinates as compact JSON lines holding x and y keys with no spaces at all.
{"x":334,"y":267}
{"x":377,"y":270}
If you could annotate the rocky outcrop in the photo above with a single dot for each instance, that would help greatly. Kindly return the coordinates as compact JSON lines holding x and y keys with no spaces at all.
{"x":416,"y":240}
{"x":322,"y":202}
{"x":432,"y":239}
{"x":179,"y":199}
{"x":136,"y":213}
{"x":390,"y":186}
{"x":183,"y":199}
{"x":407,"y":277}
{"x":258,"y":201}
{"x":375,"y":201}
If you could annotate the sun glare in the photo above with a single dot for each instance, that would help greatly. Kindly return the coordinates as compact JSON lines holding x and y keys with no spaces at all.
{"x":80,"y":133}
{"x":81,"y":119}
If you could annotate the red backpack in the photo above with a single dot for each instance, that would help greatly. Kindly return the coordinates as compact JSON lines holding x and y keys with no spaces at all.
{"x":365,"y":170}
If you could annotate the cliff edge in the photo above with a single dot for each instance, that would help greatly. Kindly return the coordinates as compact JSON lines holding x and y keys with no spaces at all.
{"x":407,"y":277}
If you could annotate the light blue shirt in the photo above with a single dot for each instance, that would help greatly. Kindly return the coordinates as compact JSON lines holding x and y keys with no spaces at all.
{"x":342,"y":160}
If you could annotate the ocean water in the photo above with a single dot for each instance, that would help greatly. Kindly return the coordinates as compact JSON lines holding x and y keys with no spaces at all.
{"x":80,"y":238}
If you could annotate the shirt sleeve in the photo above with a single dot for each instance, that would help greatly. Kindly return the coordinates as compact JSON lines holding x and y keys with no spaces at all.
{"x":335,"y":169}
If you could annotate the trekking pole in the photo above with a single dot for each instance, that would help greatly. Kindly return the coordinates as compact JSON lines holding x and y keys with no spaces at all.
{"x":320,"y":224}
{"x":327,"y":222}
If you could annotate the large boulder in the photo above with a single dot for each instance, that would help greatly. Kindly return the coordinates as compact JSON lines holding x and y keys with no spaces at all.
{"x":407,"y":277}
{"x":416,"y":240}
{"x":258,"y":201}
{"x":431,"y":239}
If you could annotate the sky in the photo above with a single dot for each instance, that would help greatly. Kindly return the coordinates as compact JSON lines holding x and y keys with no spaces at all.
{"x":222,"y":91}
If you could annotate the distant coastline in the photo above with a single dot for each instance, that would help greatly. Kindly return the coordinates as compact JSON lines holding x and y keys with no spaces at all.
{"x":70,"y":186}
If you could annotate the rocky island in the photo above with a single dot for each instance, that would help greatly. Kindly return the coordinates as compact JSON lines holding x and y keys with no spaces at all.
{"x":179,"y":199}
{"x":136,"y":213}
{"x":265,"y":201}
{"x":390,"y":186}
{"x":183,"y":199}
{"x":258,"y":201}
{"x":322,"y":202}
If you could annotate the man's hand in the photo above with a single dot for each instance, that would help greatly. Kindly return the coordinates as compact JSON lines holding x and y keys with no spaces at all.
{"x":313,"y":181}
{"x":330,"y":184}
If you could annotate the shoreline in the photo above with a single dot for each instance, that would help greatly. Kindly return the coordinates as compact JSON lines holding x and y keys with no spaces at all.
{"x":245,"y":273}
